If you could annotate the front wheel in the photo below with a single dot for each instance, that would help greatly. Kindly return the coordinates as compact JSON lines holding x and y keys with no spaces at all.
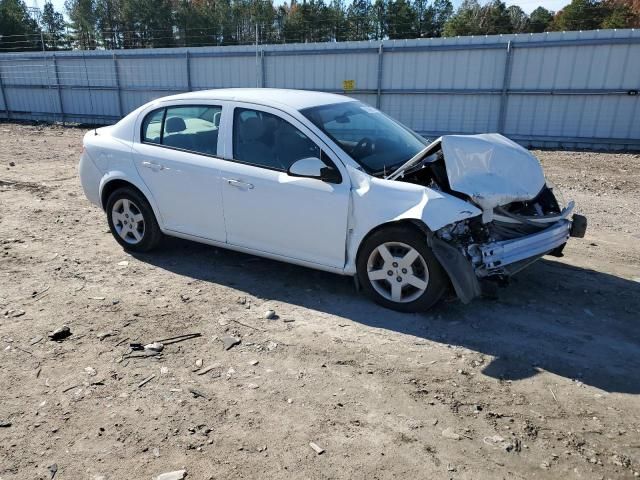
{"x":397,"y":269}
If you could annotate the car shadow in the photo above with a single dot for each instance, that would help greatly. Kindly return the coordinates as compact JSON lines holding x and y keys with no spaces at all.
{"x":574,"y":322}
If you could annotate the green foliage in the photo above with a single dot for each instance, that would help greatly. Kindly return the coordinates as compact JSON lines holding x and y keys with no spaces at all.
{"x":400,"y":19}
{"x":359,"y":21}
{"x":518,"y":19}
{"x":466,"y":20}
{"x":53,"y":27}
{"x":580,"y":15}
{"x":18,"y":31}
{"x":431,"y":17}
{"x":620,"y":15}
{"x":495,"y":19}
{"x":83,"y":22}
{"x":540,"y":20}
{"x":473,"y":19}
{"x":114,"y":24}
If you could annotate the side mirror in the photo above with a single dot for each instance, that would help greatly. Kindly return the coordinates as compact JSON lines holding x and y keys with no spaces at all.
{"x":313,"y":167}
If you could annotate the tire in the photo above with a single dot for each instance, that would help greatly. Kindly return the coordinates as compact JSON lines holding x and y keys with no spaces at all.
{"x":131,"y":220}
{"x":410,"y":277}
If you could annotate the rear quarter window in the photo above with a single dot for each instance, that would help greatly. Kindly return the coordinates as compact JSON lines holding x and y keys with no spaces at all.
{"x":152,"y":126}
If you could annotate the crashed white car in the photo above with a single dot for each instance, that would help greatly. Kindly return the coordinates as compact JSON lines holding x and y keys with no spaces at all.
{"x":327,"y":182}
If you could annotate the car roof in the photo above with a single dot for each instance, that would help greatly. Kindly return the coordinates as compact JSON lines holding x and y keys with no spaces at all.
{"x":276,"y":97}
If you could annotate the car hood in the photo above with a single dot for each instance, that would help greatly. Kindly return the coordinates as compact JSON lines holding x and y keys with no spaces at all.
{"x":491,"y":169}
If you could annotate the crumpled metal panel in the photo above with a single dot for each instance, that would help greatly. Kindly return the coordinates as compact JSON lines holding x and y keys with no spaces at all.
{"x":491,"y":169}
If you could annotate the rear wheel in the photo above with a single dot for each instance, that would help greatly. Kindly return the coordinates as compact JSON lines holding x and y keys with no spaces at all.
{"x":397,"y":269}
{"x":131,"y":220}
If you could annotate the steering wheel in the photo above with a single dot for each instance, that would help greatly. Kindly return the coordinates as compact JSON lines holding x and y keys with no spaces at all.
{"x":363,"y":146}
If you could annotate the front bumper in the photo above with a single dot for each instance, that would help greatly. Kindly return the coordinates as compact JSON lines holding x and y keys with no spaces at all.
{"x":493,"y":258}
{"x":468,"y":269}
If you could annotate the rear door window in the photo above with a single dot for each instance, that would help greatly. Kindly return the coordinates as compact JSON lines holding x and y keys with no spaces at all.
{"x":190,"y":128}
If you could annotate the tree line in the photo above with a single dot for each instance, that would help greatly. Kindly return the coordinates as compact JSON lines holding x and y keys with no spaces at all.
{"x":113,"y":24}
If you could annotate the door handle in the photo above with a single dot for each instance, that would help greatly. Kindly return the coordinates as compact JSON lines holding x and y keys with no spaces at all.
{"x":153,"y":166}
{"x":239,"y":184}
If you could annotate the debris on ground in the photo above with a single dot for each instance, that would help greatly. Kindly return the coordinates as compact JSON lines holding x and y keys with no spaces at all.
{"x":319,"y":450}
{"x":102,"y":336}
{"x":270,"y":315}
{"x":146,"y":380}
{"x":228,"y":342}
{"x":179,"y":338}
{"x":176,"y":475}
{"x":154,"y":347}
{"x":207,"y":369}
{"x":304,"y":394}
{"x":60,"y":333}
{"x":500,"y":442}
{"x":197,"y":393}
{"x":450,"y":434}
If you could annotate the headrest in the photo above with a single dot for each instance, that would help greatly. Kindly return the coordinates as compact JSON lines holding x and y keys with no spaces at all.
{"x":175,"y":124}
{"x":252,"y":129}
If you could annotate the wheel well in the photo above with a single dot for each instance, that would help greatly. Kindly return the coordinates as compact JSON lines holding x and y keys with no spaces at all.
{"x":415,"y":224}
{"x":112,"y":186}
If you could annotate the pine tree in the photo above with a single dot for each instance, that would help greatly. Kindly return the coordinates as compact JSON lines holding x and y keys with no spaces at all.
{"x":18,"y":31}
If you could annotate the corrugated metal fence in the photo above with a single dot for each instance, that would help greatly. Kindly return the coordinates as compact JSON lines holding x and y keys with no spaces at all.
{"x":571,"y":89}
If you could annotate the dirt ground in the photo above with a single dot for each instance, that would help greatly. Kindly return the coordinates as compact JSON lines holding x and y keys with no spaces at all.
{"x":542,"y":383}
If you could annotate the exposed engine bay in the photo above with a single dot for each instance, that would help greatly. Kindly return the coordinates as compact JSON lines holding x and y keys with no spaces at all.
{"x":523,"y":217}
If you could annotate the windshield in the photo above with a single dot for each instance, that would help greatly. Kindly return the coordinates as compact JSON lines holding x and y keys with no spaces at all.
{"x":372,"y":139}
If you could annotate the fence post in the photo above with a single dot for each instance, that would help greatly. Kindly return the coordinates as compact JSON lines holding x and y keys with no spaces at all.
{"x":117,"y":79}
{"x":379,"y":85}
{"x":504,"y":97}
{"x":263,"y":76}
{"x":4,"y":98}
{"x":188,"y":61}
{"x":57,"y":76}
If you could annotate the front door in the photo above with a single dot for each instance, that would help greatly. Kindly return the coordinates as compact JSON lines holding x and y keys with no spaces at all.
{"x":177,"y":157}
{"x":267,"y":210}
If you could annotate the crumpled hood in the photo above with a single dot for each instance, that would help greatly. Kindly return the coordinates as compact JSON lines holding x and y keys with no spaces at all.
{"x":491,"y":169}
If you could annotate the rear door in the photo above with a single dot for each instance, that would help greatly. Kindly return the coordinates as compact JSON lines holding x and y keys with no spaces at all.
{"x":178,"y":155}
{"x":266,"y":209}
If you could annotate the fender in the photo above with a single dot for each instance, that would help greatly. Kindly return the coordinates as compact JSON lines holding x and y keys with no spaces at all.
{"x":134,"y":179}
{"x":376,"y":201}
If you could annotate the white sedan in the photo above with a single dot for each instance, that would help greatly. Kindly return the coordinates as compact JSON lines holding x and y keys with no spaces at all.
{"x":327,"y":182}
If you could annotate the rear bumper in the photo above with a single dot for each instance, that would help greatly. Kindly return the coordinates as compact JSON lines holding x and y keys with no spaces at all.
{"x":492,"y":258}
{"x":90,"y":179}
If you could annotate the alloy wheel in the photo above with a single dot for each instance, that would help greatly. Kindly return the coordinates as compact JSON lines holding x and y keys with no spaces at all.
{"x":397,"y":272}
{"x":128,"y":221}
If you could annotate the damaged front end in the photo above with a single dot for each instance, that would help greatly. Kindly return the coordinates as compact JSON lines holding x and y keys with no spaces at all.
{"x":522,"y":216}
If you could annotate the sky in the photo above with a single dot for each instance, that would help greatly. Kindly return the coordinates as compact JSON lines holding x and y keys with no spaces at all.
{"x":526,"y":5}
